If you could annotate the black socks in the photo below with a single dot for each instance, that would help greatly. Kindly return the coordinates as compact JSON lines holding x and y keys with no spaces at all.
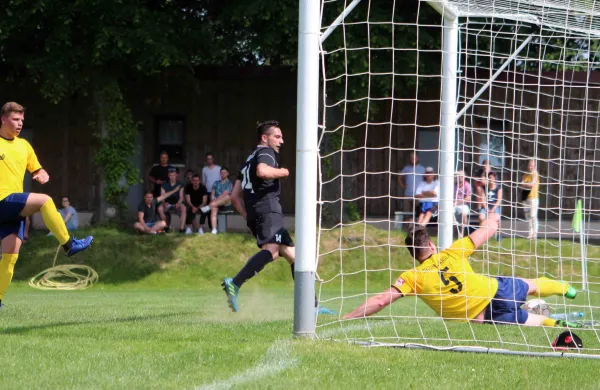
{"x":67,"y":245}
{"x":252,"y":267}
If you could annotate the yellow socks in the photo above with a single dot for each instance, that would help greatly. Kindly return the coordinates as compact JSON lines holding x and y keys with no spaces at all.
{"x":7,"y":267}
{"x":549,"y":322}
{"x":547,"y":287}
{"x":54,"y":222}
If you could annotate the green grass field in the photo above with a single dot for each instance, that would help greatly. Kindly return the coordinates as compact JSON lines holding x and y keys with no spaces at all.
{"x":158,"y":319}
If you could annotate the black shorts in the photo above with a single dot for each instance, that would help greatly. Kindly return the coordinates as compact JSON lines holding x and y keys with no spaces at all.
{"x":268,"y":229}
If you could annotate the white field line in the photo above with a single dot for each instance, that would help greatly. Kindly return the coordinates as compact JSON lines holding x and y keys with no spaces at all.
{"x":278,"y":358}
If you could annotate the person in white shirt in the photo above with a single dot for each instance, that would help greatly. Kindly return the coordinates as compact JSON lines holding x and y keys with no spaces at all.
{"x":410,"y":177}
{"x":211,"y":173}
{"x":428,"y":194}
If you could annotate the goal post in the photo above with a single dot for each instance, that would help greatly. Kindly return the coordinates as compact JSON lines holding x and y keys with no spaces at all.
{"x":306,"y":168}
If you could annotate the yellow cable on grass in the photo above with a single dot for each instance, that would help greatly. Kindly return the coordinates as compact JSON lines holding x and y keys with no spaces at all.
{"x":53,"y":278}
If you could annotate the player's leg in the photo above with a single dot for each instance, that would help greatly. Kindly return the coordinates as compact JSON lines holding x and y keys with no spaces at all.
{"x":545,"y":287}
{"x":32,"y":203}
{"x":12,"y":235}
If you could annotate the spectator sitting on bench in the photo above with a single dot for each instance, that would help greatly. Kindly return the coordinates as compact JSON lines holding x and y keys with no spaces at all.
{"x":196,"y":198}
{"x":220,"y":196}
{"x":147,"y":222}
{"x":428,"y":195}
{"x":174,"y":202}
{"x":69,"y":215}
{"x":462,"y":197}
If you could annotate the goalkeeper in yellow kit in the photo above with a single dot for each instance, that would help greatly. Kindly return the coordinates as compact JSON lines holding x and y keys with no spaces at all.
{"x":16,"y":155}
{"x":446,"y":282}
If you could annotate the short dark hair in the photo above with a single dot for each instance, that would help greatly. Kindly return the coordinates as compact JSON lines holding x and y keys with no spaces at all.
{"x":265,"y":127}
{"x":210,"y":154}
{"x":490,"y":174}
{"x":417,"y":241}
{"x":225,"y":169}
{"x":188,"y":171}
{"x":163,"y":152}
{"x":149,"y":192}
{"x":196,"y":176}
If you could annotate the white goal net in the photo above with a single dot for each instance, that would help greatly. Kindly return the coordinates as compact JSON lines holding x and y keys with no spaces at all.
{"x":527,"y":88}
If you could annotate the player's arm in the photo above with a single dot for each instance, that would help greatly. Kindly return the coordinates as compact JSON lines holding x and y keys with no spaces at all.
{"x":69,"y":215}
{"x":267,"y":172}
{"x":164,"y":195}
{"x":237,"y":198}
{"x":531,"y":184}
{"x":485,"y":231}
{"x":375,"y":304}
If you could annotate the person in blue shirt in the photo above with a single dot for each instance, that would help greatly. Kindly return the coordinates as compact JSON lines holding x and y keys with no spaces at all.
{"x":69,"y":214}
{"x":220,"y":196}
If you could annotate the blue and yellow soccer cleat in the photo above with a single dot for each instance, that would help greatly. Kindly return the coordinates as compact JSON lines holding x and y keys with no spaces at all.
{"x":78,"y":245}
{"x":231,"y":290}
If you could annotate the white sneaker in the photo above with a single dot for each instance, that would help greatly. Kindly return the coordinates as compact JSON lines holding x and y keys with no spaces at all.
{"x":214,"y":231}
{"x":200,"y":231}
{"x":188,"y":231}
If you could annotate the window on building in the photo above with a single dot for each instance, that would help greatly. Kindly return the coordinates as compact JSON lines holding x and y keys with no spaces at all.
{"x":170,"y":138}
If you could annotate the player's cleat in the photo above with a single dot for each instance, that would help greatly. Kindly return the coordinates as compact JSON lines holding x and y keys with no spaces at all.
{"x":324,"y":310}
{"x":78,"y":245}
{"x":571,"y":293}
{"x":567,"y":324}
{"x":231,"y":290}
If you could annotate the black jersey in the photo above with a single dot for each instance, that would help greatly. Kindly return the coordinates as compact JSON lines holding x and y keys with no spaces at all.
{"x":260,"y":196}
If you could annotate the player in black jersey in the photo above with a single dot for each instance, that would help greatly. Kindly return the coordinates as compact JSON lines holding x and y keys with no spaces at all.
{"x":258,"y":181}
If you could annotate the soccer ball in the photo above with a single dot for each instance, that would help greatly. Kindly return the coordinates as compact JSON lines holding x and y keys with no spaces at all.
{"x":537,"y":306}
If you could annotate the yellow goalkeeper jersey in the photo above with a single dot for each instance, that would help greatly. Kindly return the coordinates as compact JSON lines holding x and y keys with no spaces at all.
{"x":16,"y":155}
{"x":446,"y":283}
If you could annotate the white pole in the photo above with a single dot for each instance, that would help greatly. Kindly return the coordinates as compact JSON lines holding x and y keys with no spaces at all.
{"x":583,"y":256}
{"x":448,"y":131}
{"x":306,"y":168}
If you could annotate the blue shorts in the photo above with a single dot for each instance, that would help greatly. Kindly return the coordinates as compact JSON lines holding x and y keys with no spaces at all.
{"x":428,"y":206}
{"x":150,"y":224}
{"x":506,"y":304}
{"x":484,"y":211}
{"x":11,"y":221}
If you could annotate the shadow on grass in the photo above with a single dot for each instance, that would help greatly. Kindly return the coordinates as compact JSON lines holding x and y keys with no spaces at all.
{"x":138,"y":318}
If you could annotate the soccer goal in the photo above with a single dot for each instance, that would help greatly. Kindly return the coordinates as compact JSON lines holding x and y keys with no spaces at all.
{"x":460,"y":83}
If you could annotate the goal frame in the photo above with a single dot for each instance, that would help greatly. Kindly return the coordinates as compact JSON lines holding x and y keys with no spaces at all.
{"x":310,"y":39}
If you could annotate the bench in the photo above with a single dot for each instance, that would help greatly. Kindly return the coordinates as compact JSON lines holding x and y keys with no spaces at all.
{"x":224,"y":211}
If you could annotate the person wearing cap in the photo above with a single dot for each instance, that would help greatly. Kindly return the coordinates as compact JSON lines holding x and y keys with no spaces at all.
{"x":173,"y":203}
{"x":462,"y":197}
{"x":446,"y":282}
{"x":409,"y":179}
{"x":428,"y":194}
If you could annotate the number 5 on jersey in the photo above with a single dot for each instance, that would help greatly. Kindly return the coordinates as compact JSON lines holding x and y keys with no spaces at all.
{"x":453,"y":290}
